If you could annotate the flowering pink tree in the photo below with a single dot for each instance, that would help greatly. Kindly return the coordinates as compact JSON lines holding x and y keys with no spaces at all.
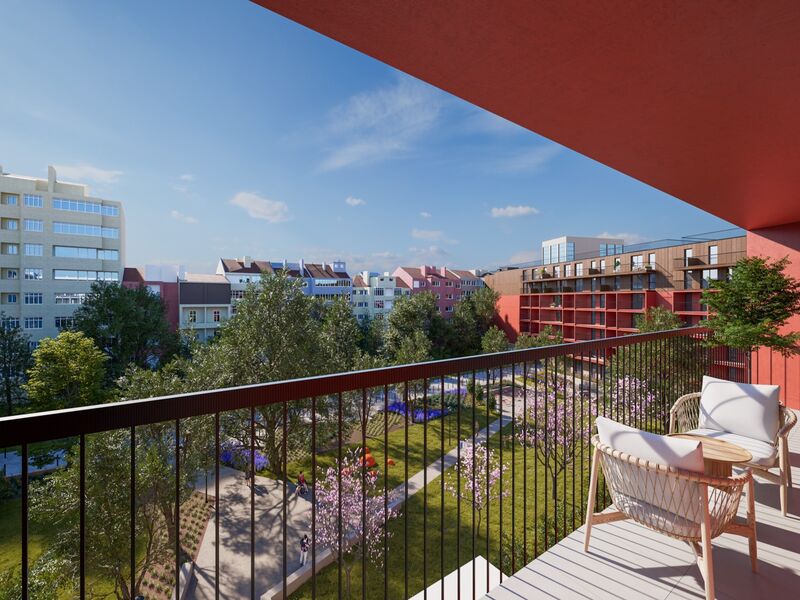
{"x":360,"y":530}
{"x":630,"y":400}
{"x":555,"y":427}
{"x":480,"y":478}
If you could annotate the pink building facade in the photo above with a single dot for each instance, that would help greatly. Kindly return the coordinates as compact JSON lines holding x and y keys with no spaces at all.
{"x":447,"y":285}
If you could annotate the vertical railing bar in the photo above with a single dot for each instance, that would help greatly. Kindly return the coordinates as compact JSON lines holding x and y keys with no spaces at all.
{"x":216,"y":506}
{"x":313,"y":498}
{"x":441,"y":477}
{"x":405,"y":494}
{"x":285,"y":459}
{"x":583,"y":437}
{"x":536,"y":459}
{"x":253,"y":502}
{"x":133,"y":512}
{"x":525,"y":462}
{"x":575,"y":435}
{"x":425,"y":488}
{"x":546,"y":446}
{"x":564,"y":433}
{"x":513,"y":468}
{"x":458,"y":486}
{"x":473,"y":427}
{"x":339,"y":497}
{"x":385,"y":491}
{"x":364,"y":421}
{"x":24,"y":521}
{"x":177,"y":508}
{"x":82,"y":516}
{"x":488,"y":504}
{"x":500,"y":435}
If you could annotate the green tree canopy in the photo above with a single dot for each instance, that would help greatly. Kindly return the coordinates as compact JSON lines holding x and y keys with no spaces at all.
{"x":752,"y":307}
{"x":340,"y":337}
{"x":657,"y":318}
{"x":67,"y":371}
{"x":412,"y":314}
{"x":129,"y":325}
{"x":546,"y":337}
{"x":494,"y":340}
{"x":15,"y":359}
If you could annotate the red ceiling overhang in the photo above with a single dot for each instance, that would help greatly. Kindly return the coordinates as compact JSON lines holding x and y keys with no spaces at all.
{"x":698,"y":99}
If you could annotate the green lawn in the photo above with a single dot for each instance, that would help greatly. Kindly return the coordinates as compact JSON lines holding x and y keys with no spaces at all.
{"x":417,"y":530}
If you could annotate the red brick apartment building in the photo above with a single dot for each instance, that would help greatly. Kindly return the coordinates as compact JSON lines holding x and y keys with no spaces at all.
{"x":599,"y":294}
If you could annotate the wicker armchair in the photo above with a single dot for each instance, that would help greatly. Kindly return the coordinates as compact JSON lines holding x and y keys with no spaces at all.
{"x":684,"y":416}
{"x":684,"y":505}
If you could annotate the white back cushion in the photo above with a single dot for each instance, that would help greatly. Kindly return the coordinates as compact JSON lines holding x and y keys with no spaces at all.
{"x":740,"y":408}
{"x":660,"y":449}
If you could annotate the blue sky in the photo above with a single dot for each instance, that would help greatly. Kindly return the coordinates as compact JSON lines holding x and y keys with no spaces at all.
{"x":227,"y":130}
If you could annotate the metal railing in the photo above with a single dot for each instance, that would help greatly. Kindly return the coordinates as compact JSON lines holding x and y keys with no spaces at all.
{"x":530,"y":410}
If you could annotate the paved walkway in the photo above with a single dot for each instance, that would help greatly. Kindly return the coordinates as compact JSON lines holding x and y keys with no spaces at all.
{"x":235,"y":531}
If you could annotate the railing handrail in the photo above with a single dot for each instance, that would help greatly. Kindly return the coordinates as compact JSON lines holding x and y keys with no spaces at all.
{"x":38,"y":427}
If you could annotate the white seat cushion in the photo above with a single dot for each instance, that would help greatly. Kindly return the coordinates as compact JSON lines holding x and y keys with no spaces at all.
{"x":684,"y":524}
{"x":659,"y":449}
{"x":764,"y":454}
{"x":749,"y":410}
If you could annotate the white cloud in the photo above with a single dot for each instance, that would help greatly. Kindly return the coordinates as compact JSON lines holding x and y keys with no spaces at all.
{"x":514,"y":211}
{"x":179,"y":216}
{"x":86,"y":172}
{"x":382,"y":124}
{"x":630,"y":238}
{"x":483,"y":121}
{"x":530,"y":160}
{"x":350,"y":201}
{"x":273,"y":211}
{"x":186,"y":177}
{"x":425,"y":215}
{"x":427,"y":254}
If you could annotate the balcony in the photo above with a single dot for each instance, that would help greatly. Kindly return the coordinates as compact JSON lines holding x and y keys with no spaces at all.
{"x":722,"y":260}
{"x":408,"y":429}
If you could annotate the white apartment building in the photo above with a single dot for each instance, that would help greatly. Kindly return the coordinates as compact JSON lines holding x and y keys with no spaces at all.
{"x":374,"y":295}
{"x":55,"y":240}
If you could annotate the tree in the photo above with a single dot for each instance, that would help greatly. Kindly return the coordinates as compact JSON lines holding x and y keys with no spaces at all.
{"x":546,"y":337}
{"x":657,"y":318}
{"x":350,"y":513}
{"x":373,"y":333}
{"x":752,"y":308}
{"x":274,"y":336}
{"x":494,"y":340}
{"x":484,"y":307}
{"x":411,"y":314}
{"x":340,"y":337}
{"x":480,"y":472}
{"x":55,"y":503}
{"x":15,"y":359}
{"x":67,"y":371}
{"x":555,"y":428}
{"x":464,"y":335}
{"x":129,"y":325}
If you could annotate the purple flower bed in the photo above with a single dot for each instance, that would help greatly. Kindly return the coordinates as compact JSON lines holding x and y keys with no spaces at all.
{"x":237,"y":456}
{"x":417,"y":415}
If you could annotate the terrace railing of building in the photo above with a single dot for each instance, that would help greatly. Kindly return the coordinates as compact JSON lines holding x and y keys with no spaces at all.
{"x":542,"y":402}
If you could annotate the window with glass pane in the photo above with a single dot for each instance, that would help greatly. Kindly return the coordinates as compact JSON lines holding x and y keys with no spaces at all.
{"x":713,"y":255}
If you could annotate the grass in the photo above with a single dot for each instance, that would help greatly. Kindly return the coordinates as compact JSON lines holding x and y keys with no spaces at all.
{"x":415,"y":558}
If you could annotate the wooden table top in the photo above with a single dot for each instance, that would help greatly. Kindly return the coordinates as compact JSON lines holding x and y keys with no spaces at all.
{"x":718,"y":450}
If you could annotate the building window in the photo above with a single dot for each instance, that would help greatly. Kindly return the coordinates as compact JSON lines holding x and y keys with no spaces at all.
{"x":637,"y":301}
{"x":557,"y":271}
{"x":11,"y":273}
{"x":86,"y":207}
{"x":34,"y":250}
{"x":687,"y":280}
{"x":34,"y":274}
{"x":11,"y":199}
{"x":33,"y":322}
{"x":687,"y":257}
{"x":33,"y":297}
{"x":378,"y":291}
{"x":448,"y":309}
{"x":10,"y":224}
{"x":192,"y":316}
{"x":651,"y":260}
{"x":378,"y":304}
{"x":435,"y":283}
{"x":638,"y":282}
{"x":713,"y":255}
{"x":86,"y":253}
{"x":217,"y":316}
{"x":83,"y":229}
{"x":11,"y":249}
{"x":70,"y":298}
{"x":579,"y":285}
{"x":79,"y":275}
{"x":10,"y":298}
{"x":637,"y":262}
{"x":65,"y":322}
{"x":651,"y":281}
{"x":602,"y":266}
{"x":579,"y":269}
{"x":567,"y":270}
{"x":11,"y":323}
{"x":33,"y":200}
{"x":34,"y":225}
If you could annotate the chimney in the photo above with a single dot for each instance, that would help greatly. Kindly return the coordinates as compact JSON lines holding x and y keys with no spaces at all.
{"x":443,"y":271}
{"x":302,"y":268}
{"x":51,"y":178}
{"x":323,"y":265}
{"x":246,"y":261}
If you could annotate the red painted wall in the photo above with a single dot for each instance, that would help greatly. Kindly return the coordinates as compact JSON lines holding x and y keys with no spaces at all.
{"x":507,"y":317}
{"x":169,"y":293}
{"x":768,"y":366}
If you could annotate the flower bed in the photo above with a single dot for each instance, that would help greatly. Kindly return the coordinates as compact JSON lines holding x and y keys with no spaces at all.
{"x":418,"y":415}
{"x":237,"y":456}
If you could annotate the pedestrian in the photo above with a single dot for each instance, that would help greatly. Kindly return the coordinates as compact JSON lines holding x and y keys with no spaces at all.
{"x":302,"y":487}
{"x":304,"y":545}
